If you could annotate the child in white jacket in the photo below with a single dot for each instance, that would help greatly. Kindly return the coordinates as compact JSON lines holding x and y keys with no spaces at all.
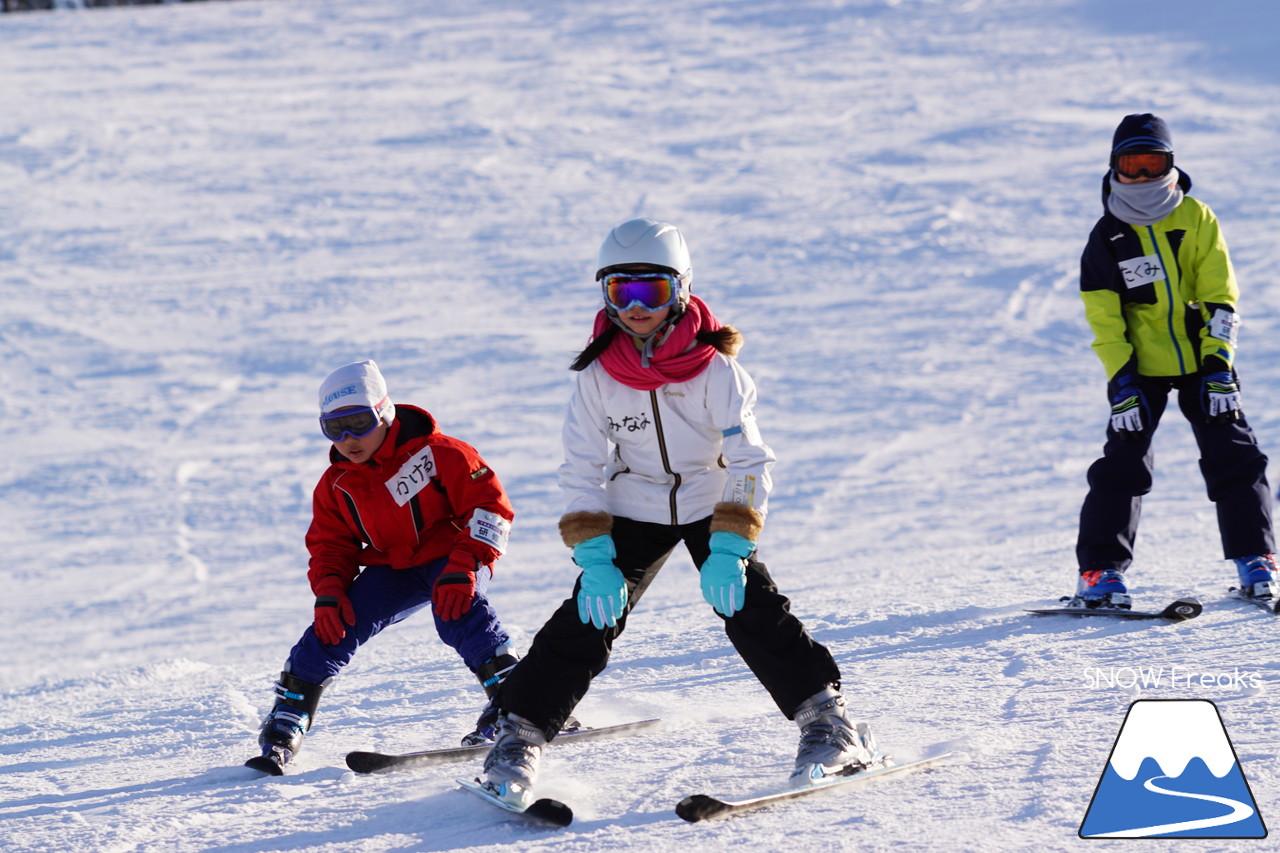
{"x":661,"y":446}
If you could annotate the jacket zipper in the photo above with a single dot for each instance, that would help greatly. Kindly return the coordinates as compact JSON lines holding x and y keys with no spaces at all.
{"x":355,"y":515}
{"x":666,"y":461}
{"x":1168,"y":286}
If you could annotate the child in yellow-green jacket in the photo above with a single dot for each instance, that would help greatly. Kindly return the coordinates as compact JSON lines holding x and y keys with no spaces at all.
{"x":1161,"y":297}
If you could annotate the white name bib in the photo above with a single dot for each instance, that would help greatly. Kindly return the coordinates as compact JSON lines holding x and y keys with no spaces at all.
{"x":1140,"y":271}
{"x":413,"y":476}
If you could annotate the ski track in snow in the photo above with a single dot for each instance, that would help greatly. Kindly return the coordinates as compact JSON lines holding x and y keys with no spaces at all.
{"x":209,"y":206}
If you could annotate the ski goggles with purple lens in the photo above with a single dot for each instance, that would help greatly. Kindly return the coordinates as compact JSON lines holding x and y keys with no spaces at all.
{"x":353,"y":422}
{"x":652,"y":291}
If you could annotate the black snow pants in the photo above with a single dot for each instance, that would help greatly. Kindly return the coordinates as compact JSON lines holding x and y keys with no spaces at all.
{"x":1234,"y":470}
{"x":566,"y":655}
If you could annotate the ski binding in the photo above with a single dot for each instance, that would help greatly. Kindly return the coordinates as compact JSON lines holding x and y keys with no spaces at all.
{"x":1271,"y":605}
{"x":271,"y":764}
{"x":520,"y":801}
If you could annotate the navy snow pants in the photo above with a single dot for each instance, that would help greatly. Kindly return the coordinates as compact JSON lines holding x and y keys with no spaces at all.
{"x":1234,"y":470}
{"x":382,"y":596}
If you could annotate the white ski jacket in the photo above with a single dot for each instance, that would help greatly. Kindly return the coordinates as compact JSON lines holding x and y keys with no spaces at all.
{"x":666,"y":456}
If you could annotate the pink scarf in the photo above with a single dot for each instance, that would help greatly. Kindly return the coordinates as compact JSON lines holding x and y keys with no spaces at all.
{"x":677,"y":356}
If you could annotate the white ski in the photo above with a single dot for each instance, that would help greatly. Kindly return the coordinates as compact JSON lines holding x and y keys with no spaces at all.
{"x":373,"y":762}
{"x":543,"y":809}
{"x":702,"y":806}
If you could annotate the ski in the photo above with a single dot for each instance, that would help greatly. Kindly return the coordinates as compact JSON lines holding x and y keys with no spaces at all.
{"x":1271,"y":605}
{"x":373,"y":762}
{"x":542,"y":809}
{"x":704,"y":807}
{"x":268,"y":764}
{"x":1179,"y":611}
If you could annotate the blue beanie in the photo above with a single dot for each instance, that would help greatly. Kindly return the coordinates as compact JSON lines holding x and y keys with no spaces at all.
{"x":1142,"y":132}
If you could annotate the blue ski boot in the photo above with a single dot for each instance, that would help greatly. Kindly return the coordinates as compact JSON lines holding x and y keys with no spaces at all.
{"x":1259,"y":577}
{"x":1102,"y":588}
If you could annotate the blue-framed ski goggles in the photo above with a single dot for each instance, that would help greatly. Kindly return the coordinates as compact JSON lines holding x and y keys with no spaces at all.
{"x":353,"y":422}
{"x":652,"y":291}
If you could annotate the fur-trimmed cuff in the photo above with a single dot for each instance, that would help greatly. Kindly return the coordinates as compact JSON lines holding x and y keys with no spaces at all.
{"x":576,"y":527}
{"x":739,"y":519}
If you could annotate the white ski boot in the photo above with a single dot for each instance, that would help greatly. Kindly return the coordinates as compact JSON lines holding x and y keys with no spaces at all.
{"x":512,"y":765}
{"x":831,"y":744}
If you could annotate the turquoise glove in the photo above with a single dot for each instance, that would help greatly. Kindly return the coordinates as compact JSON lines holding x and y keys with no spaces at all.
{"x":724,"y":574}
{"x":602,"y":591}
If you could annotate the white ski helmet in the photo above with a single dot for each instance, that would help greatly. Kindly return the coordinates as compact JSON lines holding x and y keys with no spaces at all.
{"x":647,"y":241}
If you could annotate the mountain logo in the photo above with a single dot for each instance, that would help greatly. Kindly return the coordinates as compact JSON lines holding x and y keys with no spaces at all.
{"x":1173,"y":773}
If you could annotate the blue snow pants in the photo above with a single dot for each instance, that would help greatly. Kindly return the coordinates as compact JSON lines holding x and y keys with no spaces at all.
{"x":1234,"y":470}
{"x":382,"y":596}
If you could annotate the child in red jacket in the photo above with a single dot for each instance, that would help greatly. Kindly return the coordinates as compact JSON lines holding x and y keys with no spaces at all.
{"x":404,"y":517}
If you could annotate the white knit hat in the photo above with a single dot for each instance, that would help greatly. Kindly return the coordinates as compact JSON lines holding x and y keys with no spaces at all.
{"x":357,"y":384}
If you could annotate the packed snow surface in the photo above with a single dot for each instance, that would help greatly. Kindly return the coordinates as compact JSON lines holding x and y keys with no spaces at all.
{"x":207,"y":207}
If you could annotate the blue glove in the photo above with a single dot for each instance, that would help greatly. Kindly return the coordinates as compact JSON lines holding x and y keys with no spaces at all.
{"x":1129,"y":413}
{"x":1221,"y":397}
{"x":602,"y":591}
{"x":724,"y":574}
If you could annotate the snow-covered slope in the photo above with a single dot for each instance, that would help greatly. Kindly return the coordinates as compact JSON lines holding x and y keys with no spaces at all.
{"x":209,"y":206}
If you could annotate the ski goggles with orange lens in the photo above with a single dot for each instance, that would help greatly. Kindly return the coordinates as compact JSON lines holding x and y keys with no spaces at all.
{"x":1149,"y":164}
{"x":651,"y":291}
{"x":356,"y":423}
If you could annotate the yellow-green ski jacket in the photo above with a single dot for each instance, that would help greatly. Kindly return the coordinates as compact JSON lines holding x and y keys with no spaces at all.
{"x":1150,"y":291}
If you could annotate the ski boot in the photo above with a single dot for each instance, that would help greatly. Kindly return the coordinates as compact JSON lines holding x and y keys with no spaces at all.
{"x":511,"y":766}
{"x":1259,"y":577}
{"x":831,"y":744}
{"x":1101,"y":588}
{"x":491,"y":673}
{"x":289,"y":720}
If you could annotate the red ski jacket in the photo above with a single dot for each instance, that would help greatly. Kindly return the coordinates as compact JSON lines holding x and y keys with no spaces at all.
{"x":422,"y":496}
